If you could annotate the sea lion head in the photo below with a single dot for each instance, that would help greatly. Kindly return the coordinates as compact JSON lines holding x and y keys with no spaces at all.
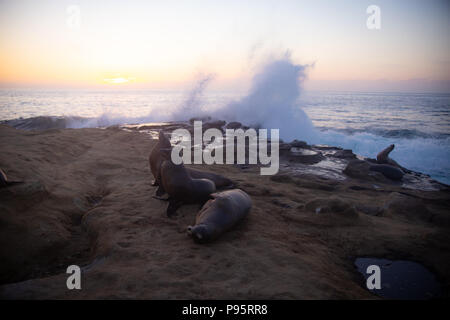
{"x":163,"y":140}
{"x":200,"y":233}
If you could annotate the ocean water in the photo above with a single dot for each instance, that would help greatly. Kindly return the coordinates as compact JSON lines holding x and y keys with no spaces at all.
{"x":418,"y":124}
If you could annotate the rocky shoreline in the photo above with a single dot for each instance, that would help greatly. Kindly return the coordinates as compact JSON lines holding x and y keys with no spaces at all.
{"x":87,"y":200}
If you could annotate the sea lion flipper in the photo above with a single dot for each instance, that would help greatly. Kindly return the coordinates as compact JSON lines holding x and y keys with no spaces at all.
{"x":160,"y":198}
{"x":173,"y":207}
{"x":160,"y":191}
{"x":213,"y":195}
{"x":203,"y":203}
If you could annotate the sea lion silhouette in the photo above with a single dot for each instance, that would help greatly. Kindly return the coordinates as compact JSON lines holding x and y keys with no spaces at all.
{"x":181,"y":187}
{"x":156,"y":158}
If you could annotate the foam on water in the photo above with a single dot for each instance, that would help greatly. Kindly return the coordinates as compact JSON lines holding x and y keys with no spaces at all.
{"x":425,"y":155}
{"x":272,"y":102}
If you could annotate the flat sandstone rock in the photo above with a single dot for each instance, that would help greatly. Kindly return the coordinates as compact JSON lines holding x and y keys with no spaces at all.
{"x":87,"y":200}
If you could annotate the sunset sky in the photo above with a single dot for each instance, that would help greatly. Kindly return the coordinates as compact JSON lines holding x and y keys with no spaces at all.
{"x":167,"y":44}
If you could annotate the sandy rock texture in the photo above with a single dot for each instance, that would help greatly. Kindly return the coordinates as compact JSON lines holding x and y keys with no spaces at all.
{"x":87,"y":200}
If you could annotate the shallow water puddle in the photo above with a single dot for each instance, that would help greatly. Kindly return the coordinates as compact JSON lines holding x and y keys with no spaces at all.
{"x":401,"y":279}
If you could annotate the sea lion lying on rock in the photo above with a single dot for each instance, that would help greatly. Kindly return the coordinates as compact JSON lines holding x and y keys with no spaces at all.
{"x":176,"y":181}
{"x":383,"y":158}
{"x":155,"y":160}
{"x":388,"y":171}
{"x":219,"y":214}
{"x":362,"y":169}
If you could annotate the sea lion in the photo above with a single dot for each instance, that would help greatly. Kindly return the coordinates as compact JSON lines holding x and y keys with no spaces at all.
{"x":176,"y":181}
{"x":388,"y":171}
{"x":219,"y":214}
{"x":4,"y":182}
{"x":155,"y":159}
{"x":219,"y":181}
{"x":383,"y":156}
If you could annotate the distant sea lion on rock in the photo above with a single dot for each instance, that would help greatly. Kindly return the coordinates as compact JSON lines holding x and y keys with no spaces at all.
{"x":383,"y":156}
{"x":388,"y":171}
{"x":219,"y":214}
{"x":176,"y":181}
{"x":360,"y":169}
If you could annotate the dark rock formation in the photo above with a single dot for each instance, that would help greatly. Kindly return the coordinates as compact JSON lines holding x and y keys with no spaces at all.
{"x":344,"y":154}
{"x":234,"y":125}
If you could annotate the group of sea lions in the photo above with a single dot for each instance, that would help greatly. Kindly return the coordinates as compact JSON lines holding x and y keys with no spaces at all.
{"x":220,"y":210}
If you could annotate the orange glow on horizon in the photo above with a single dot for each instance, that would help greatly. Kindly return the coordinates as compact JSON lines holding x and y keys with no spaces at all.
{"x":152,"y":45}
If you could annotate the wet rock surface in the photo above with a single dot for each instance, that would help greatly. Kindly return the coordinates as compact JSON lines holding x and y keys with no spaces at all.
{"x":401,"y":280}
{"x":344,"y":154}
{"x":301,"y":155}
{"x":322,"y":160}
{"x":234,"y":125}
